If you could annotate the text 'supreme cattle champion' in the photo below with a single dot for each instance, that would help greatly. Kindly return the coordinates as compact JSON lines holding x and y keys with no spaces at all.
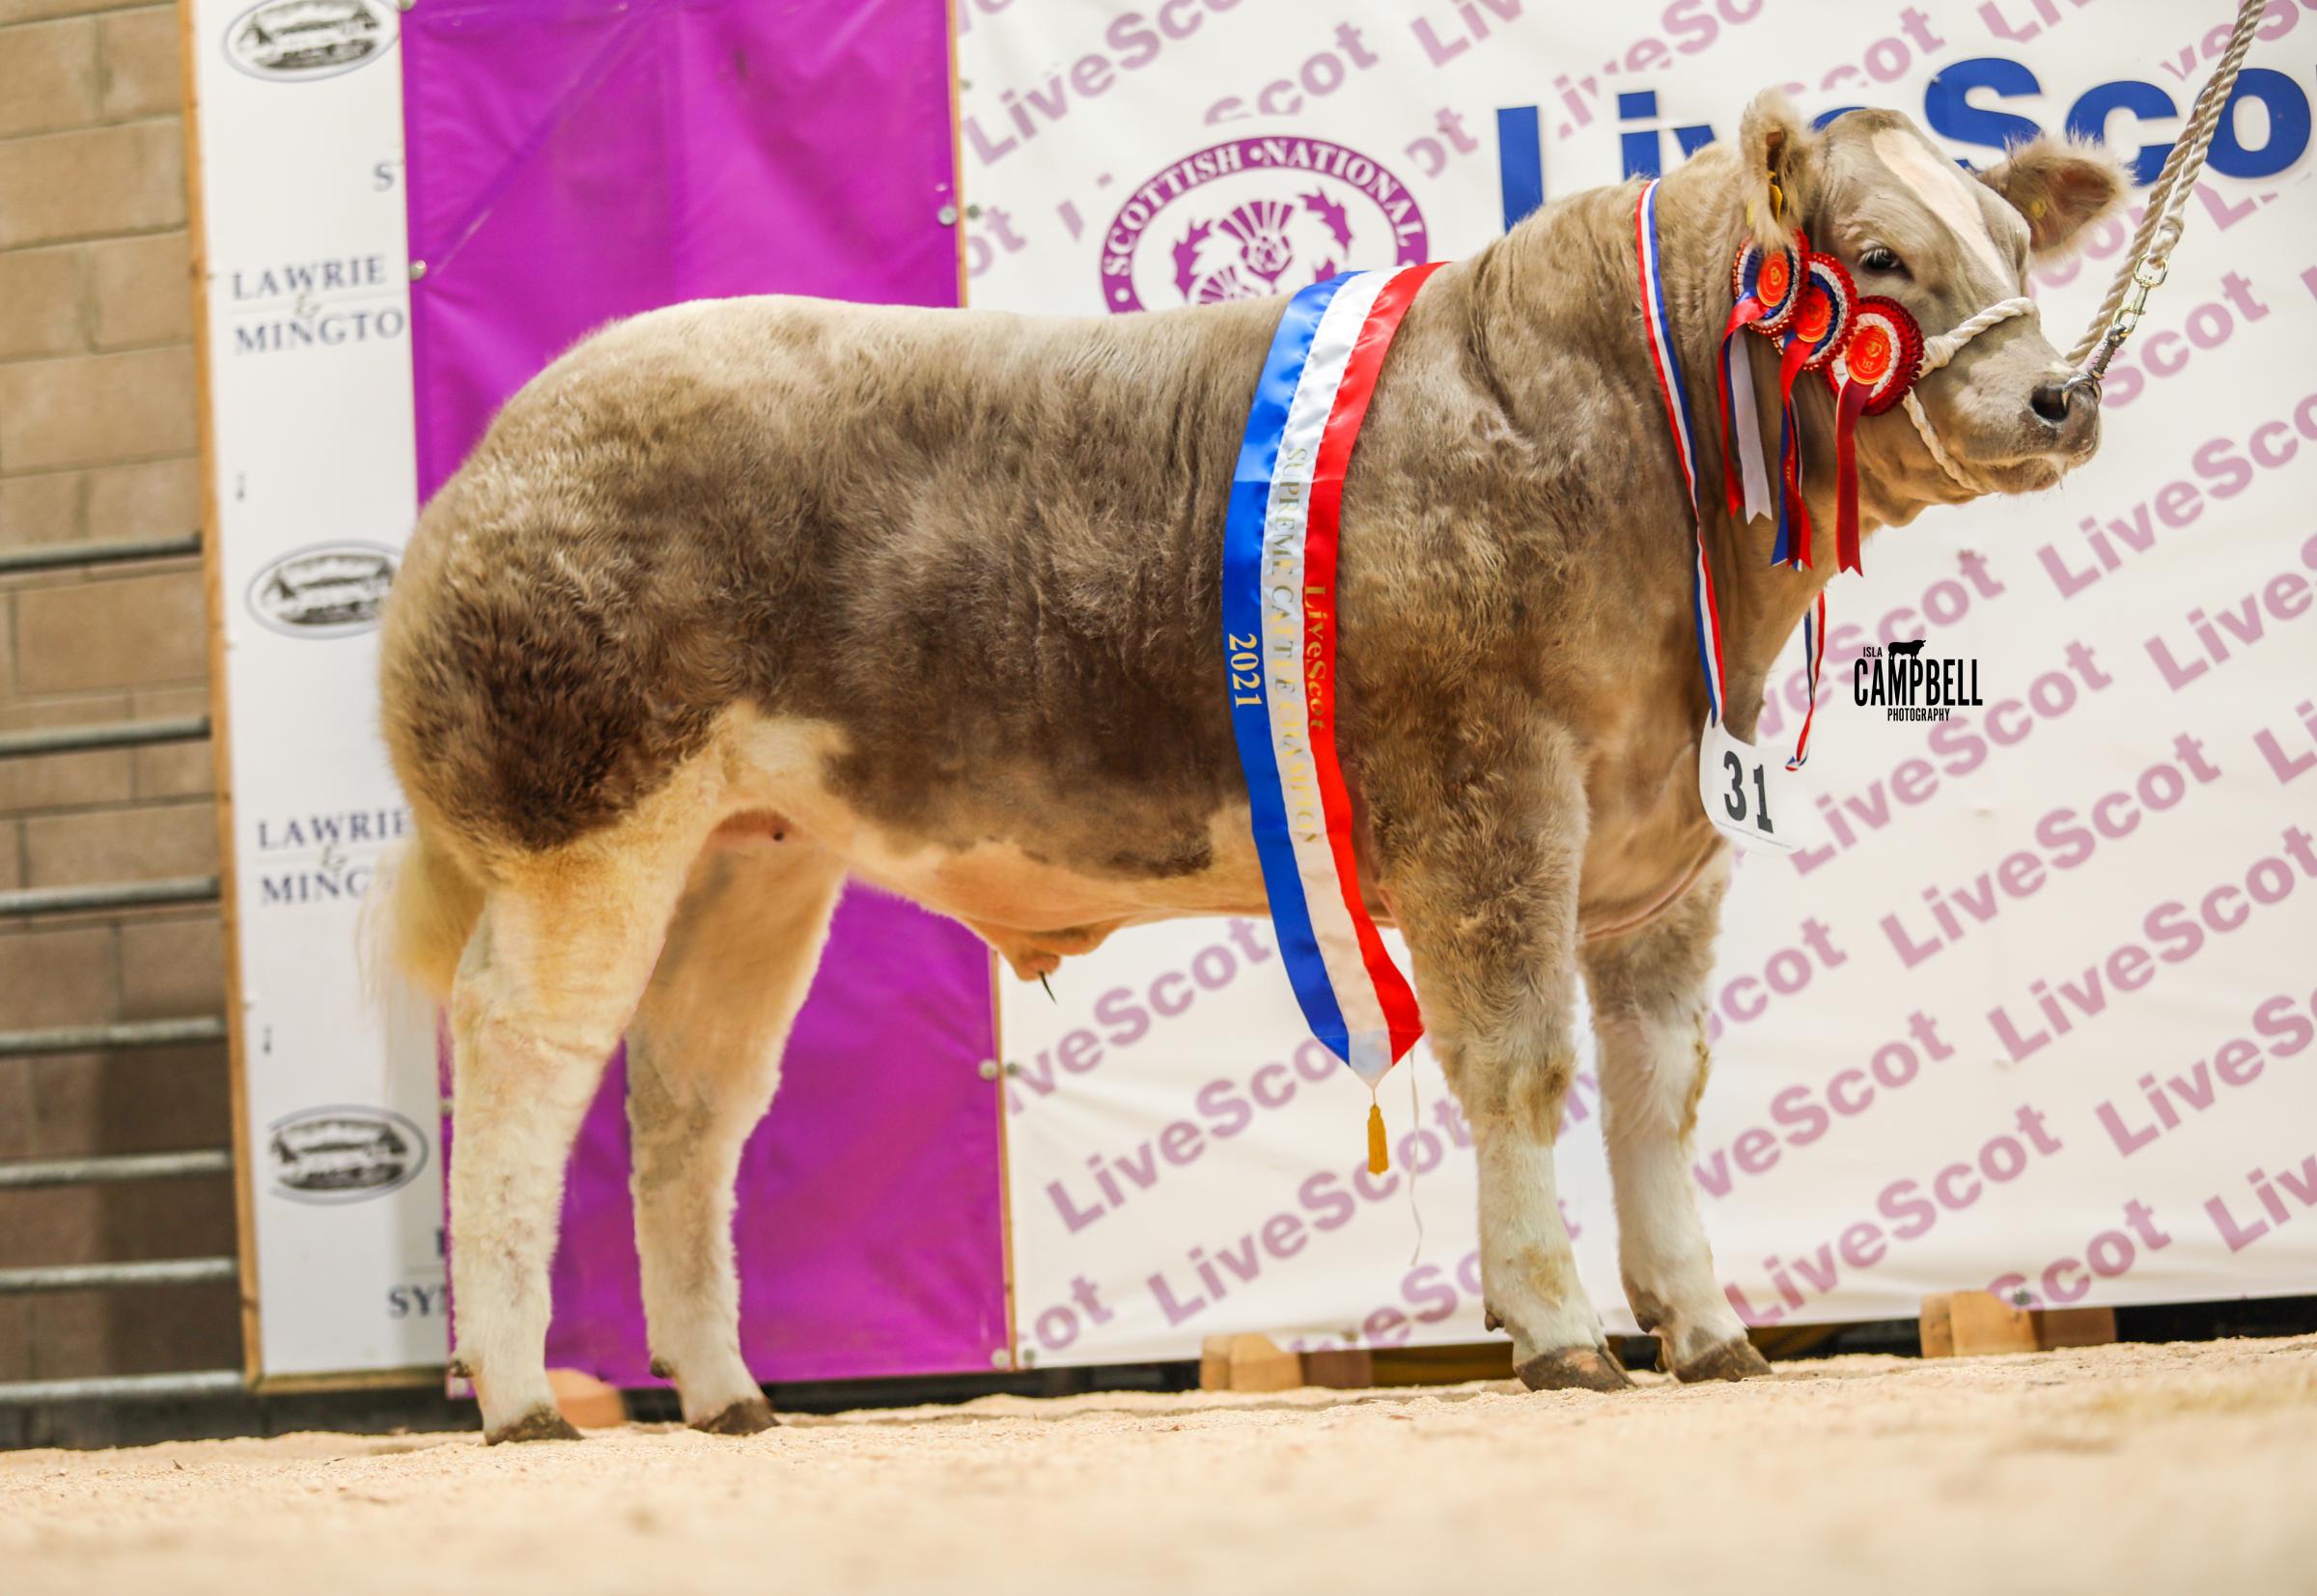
{"x":740,"y":597}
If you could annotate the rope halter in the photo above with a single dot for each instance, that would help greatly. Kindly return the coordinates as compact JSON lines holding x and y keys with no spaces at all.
{"x":1870,"y":352}
{"x":1936,"y":353}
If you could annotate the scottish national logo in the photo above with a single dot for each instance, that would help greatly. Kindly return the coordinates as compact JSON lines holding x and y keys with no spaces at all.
{"x":1901,"y":680}
{"x":1255,"y":217}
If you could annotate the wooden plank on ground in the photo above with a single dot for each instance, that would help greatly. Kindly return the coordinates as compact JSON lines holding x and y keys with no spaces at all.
{"x":1976,"y":1324}
{"x":1259,"y":1363}
{"x":586,"y":1401}
{"x":1344,"y":1369}
{"x":1452,"y":1366}
{"x":1247,"y":1363}
{"x":2075,"y":1327}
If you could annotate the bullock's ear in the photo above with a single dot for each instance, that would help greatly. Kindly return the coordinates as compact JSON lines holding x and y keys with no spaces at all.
{"x":1778,"y":162}
{"x":2061,"y":187}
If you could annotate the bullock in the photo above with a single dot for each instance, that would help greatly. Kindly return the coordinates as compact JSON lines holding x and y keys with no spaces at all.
{"x":740,"y":597}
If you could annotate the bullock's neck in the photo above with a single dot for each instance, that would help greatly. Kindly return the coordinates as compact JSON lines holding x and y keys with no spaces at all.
{"x":1699,"y":228}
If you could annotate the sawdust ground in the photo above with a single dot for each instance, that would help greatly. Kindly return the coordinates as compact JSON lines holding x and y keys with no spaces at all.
{"x":2114,"y":1469}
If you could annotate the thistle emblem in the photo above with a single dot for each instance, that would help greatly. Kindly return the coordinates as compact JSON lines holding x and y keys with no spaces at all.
{"x":1251,"y":251}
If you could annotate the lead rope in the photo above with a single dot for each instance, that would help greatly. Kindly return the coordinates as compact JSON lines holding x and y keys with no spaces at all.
{"x":2151,"y":255}
{"x":2144,"y":266}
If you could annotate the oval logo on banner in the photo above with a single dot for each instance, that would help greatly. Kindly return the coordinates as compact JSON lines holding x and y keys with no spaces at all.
{"x":331,"y":590}
{"x":344,"y":1155}
{"x":298,"y":41}
{"x":1254,"y":217}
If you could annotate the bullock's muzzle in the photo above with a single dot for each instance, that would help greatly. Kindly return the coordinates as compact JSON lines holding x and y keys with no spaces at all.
{"x":2067,"y":409}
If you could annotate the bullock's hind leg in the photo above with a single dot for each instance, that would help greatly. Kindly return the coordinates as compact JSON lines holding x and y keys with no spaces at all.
{"x":1649,"y":1000}
{"x":1482,"y":857}
{"x":550,"y":978}
{"x":703,"y":1059}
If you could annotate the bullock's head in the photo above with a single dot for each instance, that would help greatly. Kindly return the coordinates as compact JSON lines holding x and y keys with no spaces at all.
{"x":1913,"y":226}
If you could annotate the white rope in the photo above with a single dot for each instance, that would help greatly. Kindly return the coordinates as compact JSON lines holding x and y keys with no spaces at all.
{"x":1939,"y":351}
{"x":2145,"y":264}
{"x":1936,"y":353}
{"x":2150,"y":257}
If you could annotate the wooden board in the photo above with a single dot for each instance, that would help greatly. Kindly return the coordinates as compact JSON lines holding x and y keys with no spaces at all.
{"x":1976,"y":1324}
{"x":212,"y":562}
{"x":586,"y":1401}
{"x":1258,"y":1363}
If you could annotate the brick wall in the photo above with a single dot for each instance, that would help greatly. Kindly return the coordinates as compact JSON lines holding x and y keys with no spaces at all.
{"x":97,"y":443}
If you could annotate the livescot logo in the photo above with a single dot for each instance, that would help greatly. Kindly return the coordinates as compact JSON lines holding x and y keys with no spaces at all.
{"x":1907,"y":683}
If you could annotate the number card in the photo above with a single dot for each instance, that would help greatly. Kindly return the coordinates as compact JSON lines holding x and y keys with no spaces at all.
{"x":1752,"y":799}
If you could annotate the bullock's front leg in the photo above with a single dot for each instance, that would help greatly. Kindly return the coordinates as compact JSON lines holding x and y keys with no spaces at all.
{"x":1482,"y":852}
{"x":1648,"y":1020}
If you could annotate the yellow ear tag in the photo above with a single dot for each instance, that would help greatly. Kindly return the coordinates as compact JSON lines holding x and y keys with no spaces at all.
{"x":1777,"y":199}
{"x":1378,"y":1158}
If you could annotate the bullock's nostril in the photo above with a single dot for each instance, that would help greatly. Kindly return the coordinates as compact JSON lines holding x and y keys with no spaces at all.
{"x":2049,"y":400}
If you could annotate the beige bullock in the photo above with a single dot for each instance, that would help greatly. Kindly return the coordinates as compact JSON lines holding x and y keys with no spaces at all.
{"x":739,"y":597}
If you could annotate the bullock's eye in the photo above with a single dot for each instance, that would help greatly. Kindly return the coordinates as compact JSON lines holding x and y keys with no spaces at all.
{"x":1875,"y":258}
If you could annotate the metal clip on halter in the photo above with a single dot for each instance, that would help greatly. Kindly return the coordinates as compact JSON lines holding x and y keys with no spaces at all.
{"x":2147,"y":275}
{"x":2163,"y":222}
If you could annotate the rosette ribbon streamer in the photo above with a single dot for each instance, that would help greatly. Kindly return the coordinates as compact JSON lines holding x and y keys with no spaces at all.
{"x":1673,"y":389}
{"x":1873,"y":371}
{"x":1822,"y":321}
{"x":1765,"y":285}
{"x":1279,"y":650}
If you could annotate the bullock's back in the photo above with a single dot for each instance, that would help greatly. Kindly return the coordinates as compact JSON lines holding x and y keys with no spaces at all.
{"x":952,"y":534}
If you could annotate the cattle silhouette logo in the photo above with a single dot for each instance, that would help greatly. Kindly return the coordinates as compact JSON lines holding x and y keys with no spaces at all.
{"x":1256,"y":217}
{"x":1899,"y":679}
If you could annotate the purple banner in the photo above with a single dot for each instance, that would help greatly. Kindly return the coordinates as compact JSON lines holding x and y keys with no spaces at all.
{"x":571,"y":161}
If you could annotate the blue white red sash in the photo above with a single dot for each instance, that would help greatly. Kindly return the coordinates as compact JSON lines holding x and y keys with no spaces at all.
{"x":1279,"y":639}
{"x":1666,"y":360}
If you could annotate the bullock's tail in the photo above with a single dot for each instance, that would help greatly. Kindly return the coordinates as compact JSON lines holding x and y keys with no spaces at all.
{"x":425,"y":912}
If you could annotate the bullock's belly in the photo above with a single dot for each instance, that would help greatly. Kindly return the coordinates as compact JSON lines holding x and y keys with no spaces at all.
{"x":1003,"y":885}
{"x":1008,"y":887}
{"x":1035,"y":909}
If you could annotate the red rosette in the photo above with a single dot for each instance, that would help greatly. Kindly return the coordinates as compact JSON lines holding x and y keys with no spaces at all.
{"x":1822,"y":317}
{"x":1883,"y":353}
{"x":1771,"y":276}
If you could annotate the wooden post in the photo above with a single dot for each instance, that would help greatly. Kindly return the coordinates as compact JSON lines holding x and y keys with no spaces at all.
{"x":191,"y":43}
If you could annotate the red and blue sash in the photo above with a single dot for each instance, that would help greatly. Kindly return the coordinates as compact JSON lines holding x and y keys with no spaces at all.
{"x":1279,"y":643}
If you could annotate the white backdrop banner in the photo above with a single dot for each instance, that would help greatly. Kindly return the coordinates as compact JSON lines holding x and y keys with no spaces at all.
{"x":2036,"y":1010}
{"x":308,"y":299}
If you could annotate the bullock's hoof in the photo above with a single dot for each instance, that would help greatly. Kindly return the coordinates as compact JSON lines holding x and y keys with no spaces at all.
{"x":1575,"y":1369}
{"x":749,"y":1416}
{"x":1731,"y":1361}
{"x":539,"y":1424}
